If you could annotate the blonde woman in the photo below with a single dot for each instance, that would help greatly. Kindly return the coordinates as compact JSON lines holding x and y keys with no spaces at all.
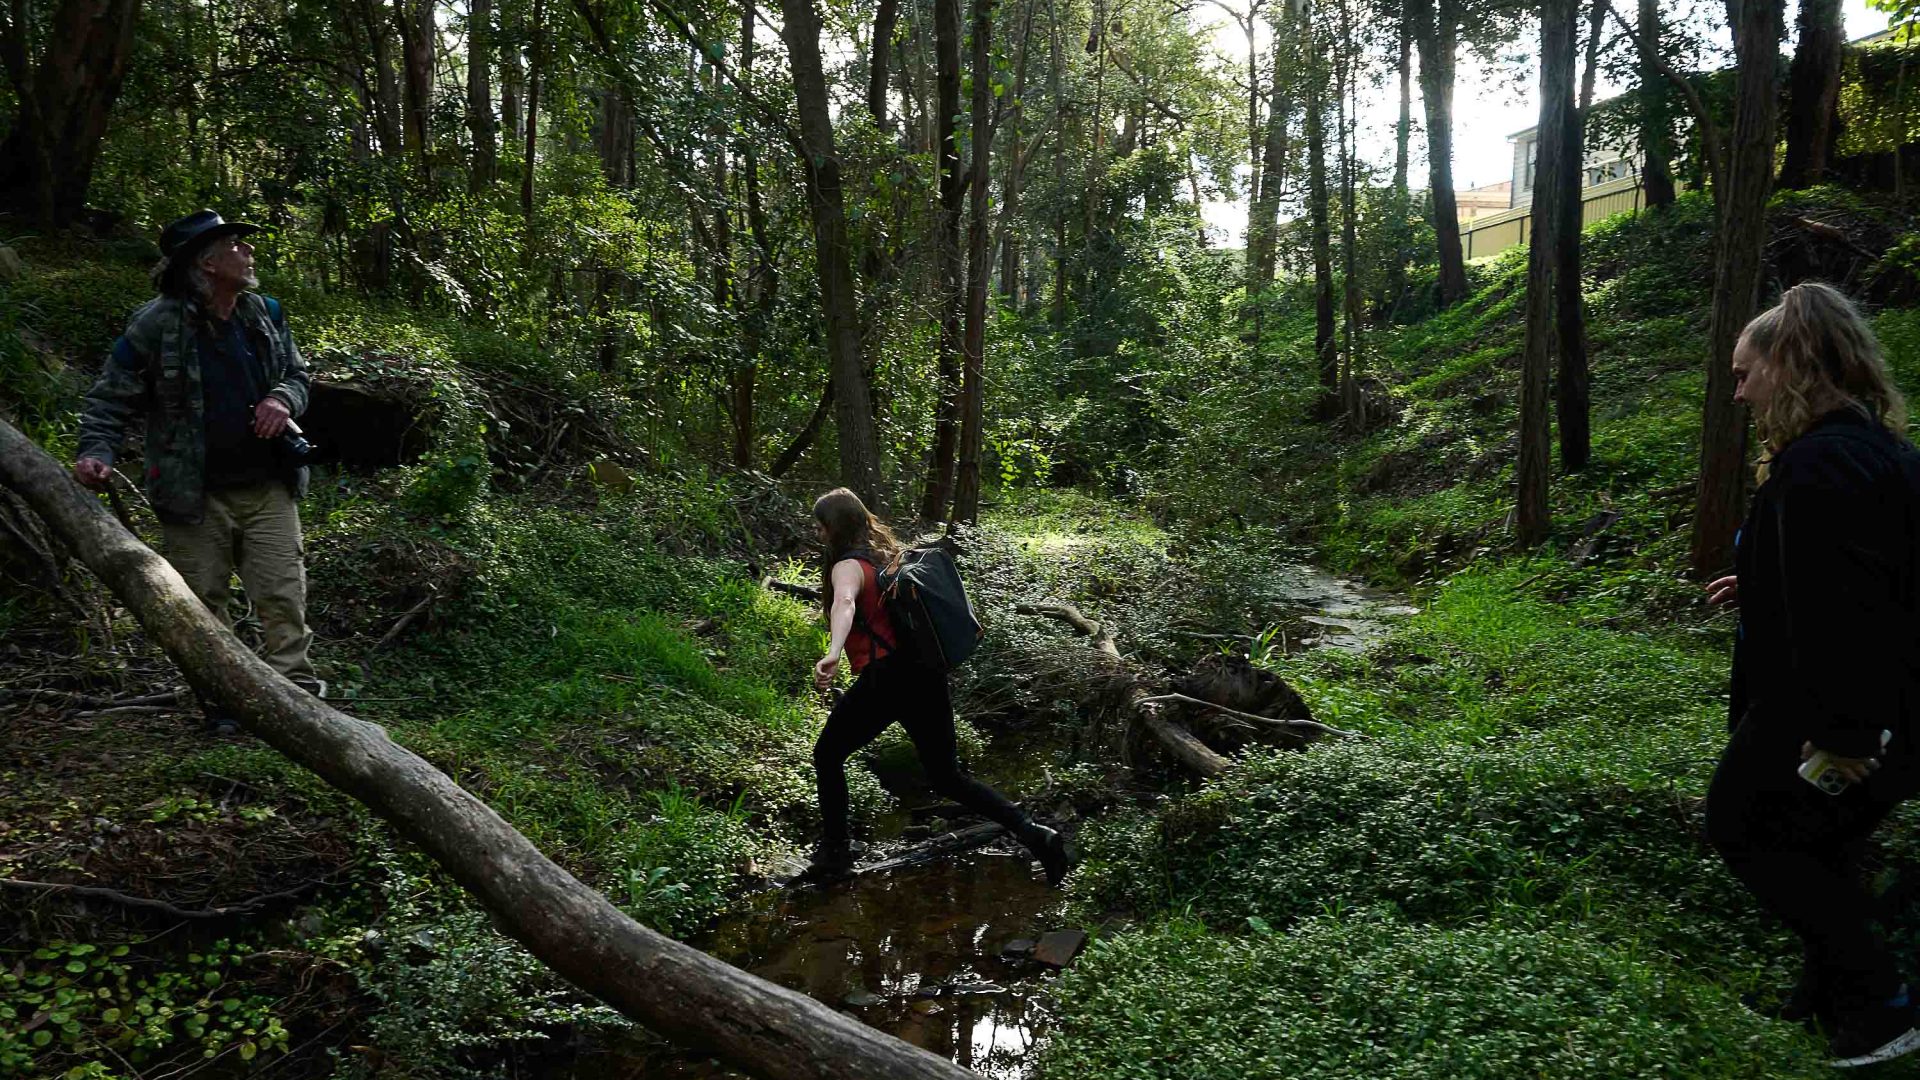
{"x":1824,"y":658}
{"x":890,"y":687}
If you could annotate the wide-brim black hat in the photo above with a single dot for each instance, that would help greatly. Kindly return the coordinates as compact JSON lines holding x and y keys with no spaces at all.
{"x":185,"y":238}
{"x":182,"y":239}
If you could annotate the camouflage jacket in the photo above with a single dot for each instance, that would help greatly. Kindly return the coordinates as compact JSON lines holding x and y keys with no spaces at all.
{"x":155,"y":371}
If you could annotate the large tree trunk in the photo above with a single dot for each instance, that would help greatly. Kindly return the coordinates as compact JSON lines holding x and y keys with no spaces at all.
{"x":1656,"y":128}
{"x":966,"y":488}
{"x":418,"y":35}
{"x":938,"y":493}
{"x":62,"y":103}
{"x":1571,"y":391}
{"x":1558,"y":20}
{"x":833,"y":255}
{"x":1436,"y":35}
{"x":1263,"y":223}
{"x":1813,"y":93}
{"x":670,"y":987}
{"x":480,"y":95}
{"x":885,"y":17}
{"x":1736,"y":281}
{"x":1325,"y":350}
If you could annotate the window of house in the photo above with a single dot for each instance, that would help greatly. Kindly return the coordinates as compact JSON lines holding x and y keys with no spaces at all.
{"x":1526,"y":171}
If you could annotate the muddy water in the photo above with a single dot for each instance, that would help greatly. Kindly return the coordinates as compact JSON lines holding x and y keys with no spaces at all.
{"x":914,"y":951}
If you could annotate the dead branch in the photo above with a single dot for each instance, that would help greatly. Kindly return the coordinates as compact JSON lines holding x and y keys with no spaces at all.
{"x":402,"y":623}
{"x":1178,"y":741}
{"x":143,"y":903}
{"x":1294,"y":725}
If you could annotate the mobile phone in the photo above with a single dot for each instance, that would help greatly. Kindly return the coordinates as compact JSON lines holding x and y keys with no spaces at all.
{"x":1818,"y":770}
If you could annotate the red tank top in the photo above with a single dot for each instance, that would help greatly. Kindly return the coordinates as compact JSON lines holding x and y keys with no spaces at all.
{"x":869,"y":621}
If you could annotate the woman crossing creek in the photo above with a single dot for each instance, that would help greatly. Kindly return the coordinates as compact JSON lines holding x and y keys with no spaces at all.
{"x":893,"y":683}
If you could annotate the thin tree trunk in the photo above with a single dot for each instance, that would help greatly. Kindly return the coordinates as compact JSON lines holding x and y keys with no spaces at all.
{"x":480,"y":119}
{"x":1059,"y":319}
{"x":1324,"y":346}
{"x":512,"y":82}
{"x":1016,"y":175}
{"x":1656,"y":127}
{"x":1736,"y":281}
{"x":833,"y":255}
{"x":1572,"y":395}
{"x":537,"y":64}
{"x":938,"y":493}
{"x":966,"y":488}
{"x":672,"y":988}
{"x":1402,"y":196}
{"x":1436,"y":34}
{"x":1349,"y":213}
{"x":1813,"y":94}
{"x":803,"y":441}
{"x":765,"y":282}
{"x":1558,"y":22}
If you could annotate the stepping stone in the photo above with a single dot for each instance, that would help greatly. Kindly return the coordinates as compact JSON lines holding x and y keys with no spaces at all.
{"x":860,"y":999}
{"x":1057,"y":948}
{"x":1016,"y":950}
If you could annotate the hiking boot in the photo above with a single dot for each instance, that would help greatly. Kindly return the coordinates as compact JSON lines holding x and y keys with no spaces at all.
{"x":831,"y":863}
{"x":1048,"y":846}
{"x":312,"y":684}
{"x":1875,"y":1034}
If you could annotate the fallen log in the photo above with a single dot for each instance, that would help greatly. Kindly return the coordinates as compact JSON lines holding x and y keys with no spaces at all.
{"x":678,"y":991}
{"x":1185,"y":747}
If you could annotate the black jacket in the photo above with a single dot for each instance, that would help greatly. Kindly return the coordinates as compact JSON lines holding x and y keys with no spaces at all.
{"x":1828,"y":619}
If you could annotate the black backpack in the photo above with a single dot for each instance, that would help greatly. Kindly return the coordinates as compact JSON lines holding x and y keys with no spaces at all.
{"x":933,"y":622}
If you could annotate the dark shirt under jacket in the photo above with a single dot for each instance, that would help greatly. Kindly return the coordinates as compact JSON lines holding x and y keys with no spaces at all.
{"x":1826,"y":560}
{"x":232,"y":382}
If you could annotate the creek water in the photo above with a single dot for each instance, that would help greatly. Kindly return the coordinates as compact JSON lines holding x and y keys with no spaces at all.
{"x":918,"y":951}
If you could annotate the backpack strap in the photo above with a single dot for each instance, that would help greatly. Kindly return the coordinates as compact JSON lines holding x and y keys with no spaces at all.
{"x":885,"y":645}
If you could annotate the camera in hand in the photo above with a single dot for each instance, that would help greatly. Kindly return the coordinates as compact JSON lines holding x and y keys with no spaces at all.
{"x":293,"y":442}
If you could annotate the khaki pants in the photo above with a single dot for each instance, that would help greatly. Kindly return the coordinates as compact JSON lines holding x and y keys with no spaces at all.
{"x":256,"y":529}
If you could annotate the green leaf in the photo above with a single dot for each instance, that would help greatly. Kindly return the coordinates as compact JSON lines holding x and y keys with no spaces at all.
{"x":247,"y":1050}
{"x":42,"y":1037}
{"x":77,"y":967}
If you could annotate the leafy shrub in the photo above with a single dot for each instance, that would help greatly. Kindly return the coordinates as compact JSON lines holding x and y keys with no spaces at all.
{"x":70,"y":1005}
{"x":1381,"y":1001}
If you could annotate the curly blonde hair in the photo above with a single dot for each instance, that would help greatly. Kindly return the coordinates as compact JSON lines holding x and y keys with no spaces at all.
{"x":1824,"y":357}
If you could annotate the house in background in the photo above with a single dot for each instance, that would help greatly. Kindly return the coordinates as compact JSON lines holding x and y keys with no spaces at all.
{"x":1609,"y":184}
{"x":1479,"y":202}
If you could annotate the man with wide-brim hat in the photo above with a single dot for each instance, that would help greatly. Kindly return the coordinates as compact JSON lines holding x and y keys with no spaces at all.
{"x":212,"y":368}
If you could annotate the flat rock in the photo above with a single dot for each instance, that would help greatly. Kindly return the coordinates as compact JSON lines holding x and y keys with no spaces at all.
{"x":860,"y":999}
{"x":1017,"y":949}
{"x":1057,"y":948}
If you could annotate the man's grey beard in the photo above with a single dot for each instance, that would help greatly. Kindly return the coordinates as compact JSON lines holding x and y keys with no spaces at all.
{"x":252,"y":281}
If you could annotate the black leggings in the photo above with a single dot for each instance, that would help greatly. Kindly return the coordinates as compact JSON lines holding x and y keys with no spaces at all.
{"x":895,"y":689}
{"x":1797,"y":849}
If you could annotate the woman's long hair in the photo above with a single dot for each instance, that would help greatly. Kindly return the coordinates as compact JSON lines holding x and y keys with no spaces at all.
{"x":850,"y":527}
{"x":1824,"y":357}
